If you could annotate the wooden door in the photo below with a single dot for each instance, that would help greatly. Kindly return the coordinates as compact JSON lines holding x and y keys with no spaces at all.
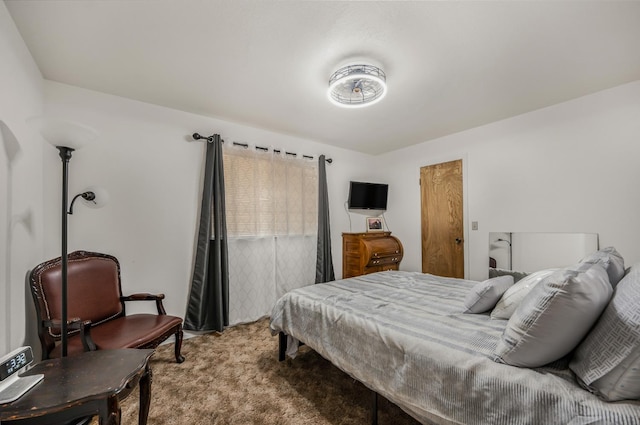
{"x":442,"y":219}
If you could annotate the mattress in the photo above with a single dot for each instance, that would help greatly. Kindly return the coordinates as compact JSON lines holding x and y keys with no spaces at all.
{"x":403,"y":335}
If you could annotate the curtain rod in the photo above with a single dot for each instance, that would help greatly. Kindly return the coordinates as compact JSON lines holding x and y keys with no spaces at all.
{"x":197,"y":136}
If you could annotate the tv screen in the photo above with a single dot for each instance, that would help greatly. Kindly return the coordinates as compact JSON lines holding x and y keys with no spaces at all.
{"x":368,"y":196}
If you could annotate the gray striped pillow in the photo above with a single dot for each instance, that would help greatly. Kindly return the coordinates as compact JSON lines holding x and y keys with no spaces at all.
{"x":612,"y":262}
{"x":555,"y":316}
{"x":608,"y":361}
{"x":484,"y":295}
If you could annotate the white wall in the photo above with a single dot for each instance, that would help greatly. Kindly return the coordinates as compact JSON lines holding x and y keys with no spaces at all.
{"x":571,"y":167}
{"x":145,"y":158}
{"x":21,"y":235}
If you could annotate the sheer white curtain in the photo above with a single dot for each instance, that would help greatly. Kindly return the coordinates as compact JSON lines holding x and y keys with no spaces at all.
{"x":272,"y":213}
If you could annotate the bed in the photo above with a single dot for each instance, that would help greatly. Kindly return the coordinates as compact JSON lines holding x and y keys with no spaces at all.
{"x":404,"y":336}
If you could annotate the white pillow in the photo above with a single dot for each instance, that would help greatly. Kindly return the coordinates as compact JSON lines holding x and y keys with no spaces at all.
{"x":607,"y":362}
{"x":484,"y":295}
{"x":512,"y":298}
{"x":612,"y":262}
{"x":555,"y":316}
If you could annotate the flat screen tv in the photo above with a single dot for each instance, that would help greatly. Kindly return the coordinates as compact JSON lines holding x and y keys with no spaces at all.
{"x":368,"y":196}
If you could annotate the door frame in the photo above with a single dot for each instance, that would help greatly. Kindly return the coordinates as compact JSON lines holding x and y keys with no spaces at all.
{"x":464,"y":157}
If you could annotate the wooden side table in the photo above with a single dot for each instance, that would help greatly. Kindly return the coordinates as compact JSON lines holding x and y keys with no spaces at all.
{"x":89,"y":384}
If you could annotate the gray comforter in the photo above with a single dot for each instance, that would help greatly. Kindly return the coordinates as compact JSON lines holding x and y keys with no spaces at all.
{"x":404,"y":335}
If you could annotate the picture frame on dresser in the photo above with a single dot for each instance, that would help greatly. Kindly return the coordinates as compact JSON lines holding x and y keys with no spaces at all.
{"x":375,"y":224}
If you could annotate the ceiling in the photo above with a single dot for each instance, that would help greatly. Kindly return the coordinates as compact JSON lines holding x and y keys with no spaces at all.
{"x":450,"y":65}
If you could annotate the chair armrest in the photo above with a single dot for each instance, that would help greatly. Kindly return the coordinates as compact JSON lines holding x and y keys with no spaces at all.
{"x":73,"y":323}
{"x":147,"y":297}
{"x":143,"y":297}
{"x":84,"y":326}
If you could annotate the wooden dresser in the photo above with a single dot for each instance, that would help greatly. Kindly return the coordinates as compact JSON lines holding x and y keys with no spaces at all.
{"x":369,"y":252}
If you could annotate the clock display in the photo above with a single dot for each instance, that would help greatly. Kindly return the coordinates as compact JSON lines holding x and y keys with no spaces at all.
{"x":15,"y":361}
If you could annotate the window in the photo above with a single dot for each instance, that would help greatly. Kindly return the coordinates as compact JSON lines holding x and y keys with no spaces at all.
{"x":269,"y":195}
{"x":271,"y":203}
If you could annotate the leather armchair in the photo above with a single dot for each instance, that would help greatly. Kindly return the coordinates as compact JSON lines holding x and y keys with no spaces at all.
{"x":96,"y":307}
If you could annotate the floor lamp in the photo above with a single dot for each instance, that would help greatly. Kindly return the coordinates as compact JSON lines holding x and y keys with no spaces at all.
{"x":67,"y":137}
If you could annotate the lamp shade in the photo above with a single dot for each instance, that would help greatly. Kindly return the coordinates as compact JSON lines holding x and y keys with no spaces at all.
{"x":101,"y":197}
{"x":63,"y":133}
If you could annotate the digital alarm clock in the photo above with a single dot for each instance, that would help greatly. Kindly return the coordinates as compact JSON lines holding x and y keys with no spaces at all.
{"x":15,"y":361}
{"x":13,"y":386}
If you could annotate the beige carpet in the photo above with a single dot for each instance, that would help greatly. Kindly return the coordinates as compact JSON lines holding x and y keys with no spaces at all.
{"x":235,"y":378}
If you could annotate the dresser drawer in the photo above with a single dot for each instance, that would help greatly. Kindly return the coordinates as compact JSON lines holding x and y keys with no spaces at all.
{"x":375,"y":269}
{"x":379,"y":261}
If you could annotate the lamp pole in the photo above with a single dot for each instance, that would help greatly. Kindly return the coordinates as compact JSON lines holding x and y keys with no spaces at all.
{"x":65,"y":155}
{"x":510,"y":250}
{"x":66,"y":136}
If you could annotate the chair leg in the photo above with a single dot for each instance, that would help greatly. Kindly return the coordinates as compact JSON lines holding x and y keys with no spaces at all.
{"x":178,"y":346}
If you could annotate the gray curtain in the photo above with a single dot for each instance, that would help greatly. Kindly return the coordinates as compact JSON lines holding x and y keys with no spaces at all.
{"x":208,"y":305}
{"x":324,"y":260}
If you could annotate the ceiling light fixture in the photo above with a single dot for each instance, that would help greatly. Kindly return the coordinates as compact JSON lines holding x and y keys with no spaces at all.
{"x":355,"y":86}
